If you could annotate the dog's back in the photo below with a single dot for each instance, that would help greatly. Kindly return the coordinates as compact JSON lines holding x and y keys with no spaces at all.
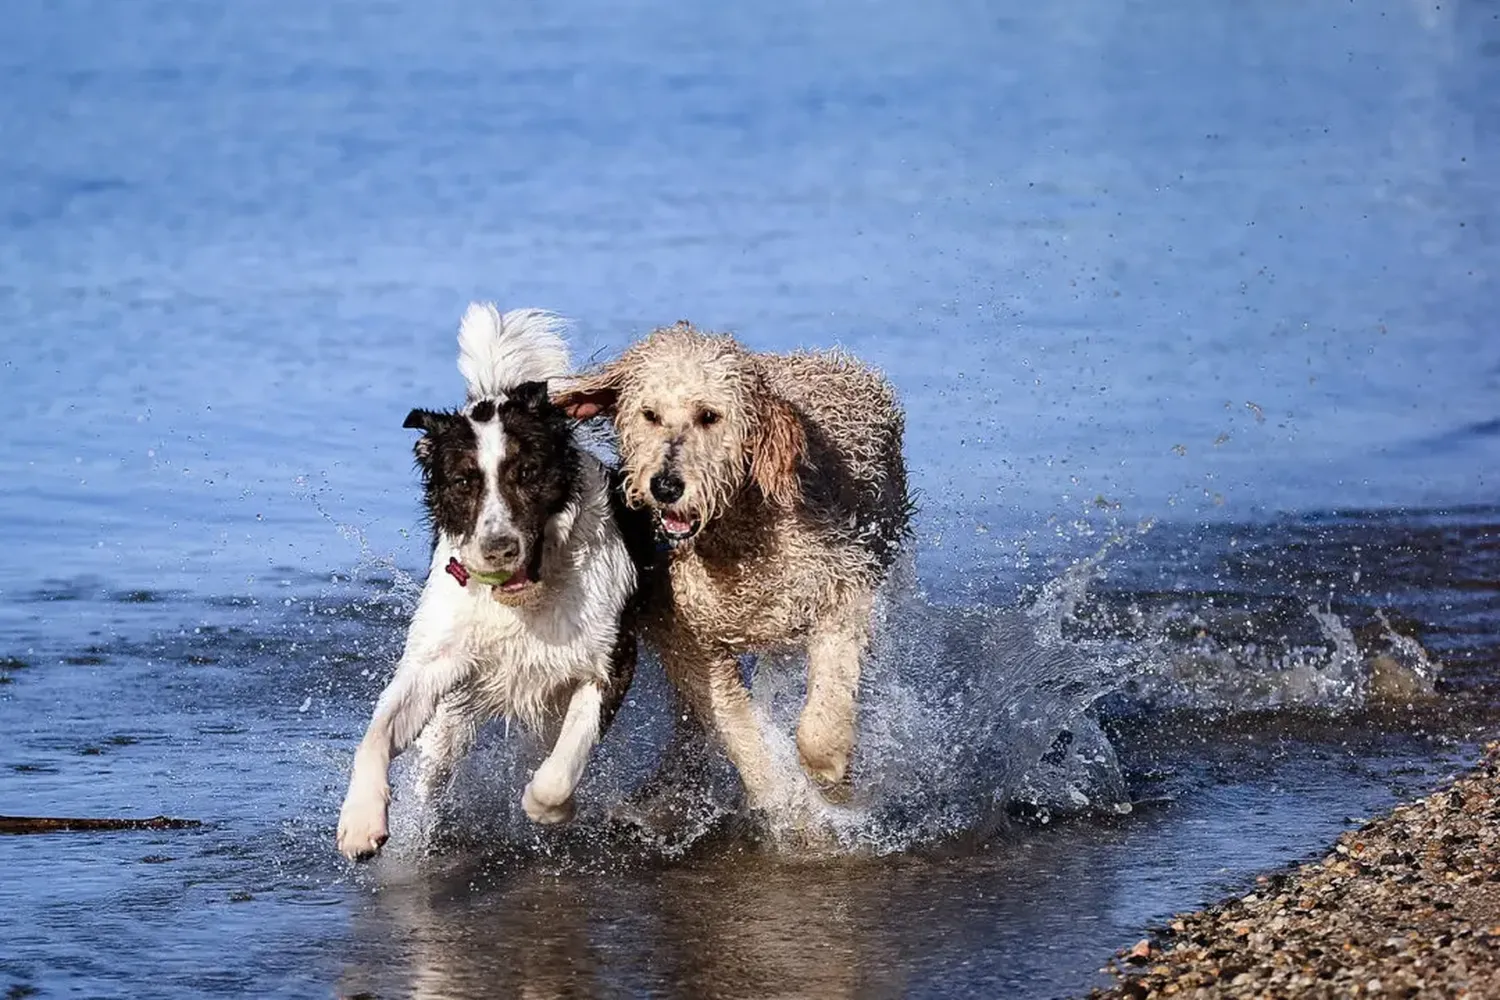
{"x":855,"y":473}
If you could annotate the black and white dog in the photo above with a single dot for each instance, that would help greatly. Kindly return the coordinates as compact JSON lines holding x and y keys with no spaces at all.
{"x":528,"y":608}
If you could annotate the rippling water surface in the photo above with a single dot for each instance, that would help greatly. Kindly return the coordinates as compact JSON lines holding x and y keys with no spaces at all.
{"x":1192,"y":310}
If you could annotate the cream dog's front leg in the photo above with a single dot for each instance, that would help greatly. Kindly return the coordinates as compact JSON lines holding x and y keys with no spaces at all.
{"x":709,"y":681}
{"x":825,"y":731}
{"x":426,"y":673}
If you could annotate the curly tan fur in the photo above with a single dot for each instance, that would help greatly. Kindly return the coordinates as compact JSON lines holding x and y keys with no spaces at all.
{"x":792,"y":466}
{"x":779,"y":446}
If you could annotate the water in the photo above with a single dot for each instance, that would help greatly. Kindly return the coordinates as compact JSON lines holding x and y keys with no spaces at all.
{"x":1192,"y":312}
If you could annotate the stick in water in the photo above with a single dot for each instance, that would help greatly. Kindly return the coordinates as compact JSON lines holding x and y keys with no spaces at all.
{"x":61,"y":824}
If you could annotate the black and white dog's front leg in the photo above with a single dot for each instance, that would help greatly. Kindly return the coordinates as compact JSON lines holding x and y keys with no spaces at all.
{"x":591,"y":708}
{"x":404,"y":709}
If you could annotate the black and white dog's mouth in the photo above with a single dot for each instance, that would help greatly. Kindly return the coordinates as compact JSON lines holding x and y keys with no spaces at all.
{"x":677,"y":526}
{"x":507,"y":581}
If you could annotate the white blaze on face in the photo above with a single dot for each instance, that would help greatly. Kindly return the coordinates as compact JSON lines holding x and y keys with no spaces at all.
{"x":494,"y":516}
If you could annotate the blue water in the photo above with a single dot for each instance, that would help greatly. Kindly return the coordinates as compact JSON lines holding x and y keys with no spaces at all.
{"x":1233,"y":269}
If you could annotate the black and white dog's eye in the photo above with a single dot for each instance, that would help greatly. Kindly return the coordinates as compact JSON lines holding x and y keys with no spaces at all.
{"x":526,"y":472}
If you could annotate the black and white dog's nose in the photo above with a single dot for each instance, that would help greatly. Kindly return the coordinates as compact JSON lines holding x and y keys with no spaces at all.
{"x":501,"y":548}
{"x":666,"y":487}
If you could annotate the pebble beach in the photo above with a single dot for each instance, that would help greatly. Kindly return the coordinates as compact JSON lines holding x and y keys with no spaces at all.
{"x":1408,"y":905}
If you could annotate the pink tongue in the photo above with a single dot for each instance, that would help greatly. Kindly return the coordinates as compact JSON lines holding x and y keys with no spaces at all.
{"x":521,"y":579}
{"x":675,"y":524}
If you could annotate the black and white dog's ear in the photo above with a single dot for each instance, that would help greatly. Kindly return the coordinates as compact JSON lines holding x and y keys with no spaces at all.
{"x":530,"y":395}
{"x":429,"y":422}
{"x":426,"y":421}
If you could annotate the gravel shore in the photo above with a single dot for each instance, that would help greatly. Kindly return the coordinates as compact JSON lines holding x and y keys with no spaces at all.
{"x":1406,"y":906}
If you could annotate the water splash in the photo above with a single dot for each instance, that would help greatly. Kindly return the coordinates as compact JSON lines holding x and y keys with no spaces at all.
{"x":403,"y":586}
{"x":966,"y":713}
{"x":963,"y":711}
{"x":1196,"y":657}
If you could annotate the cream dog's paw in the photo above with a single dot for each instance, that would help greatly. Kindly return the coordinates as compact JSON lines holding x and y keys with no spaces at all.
{"x":546,"y":800}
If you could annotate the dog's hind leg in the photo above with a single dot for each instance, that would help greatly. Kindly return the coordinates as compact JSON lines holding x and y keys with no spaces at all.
{"x":444,"y":743}
{"x":825,"y":731}
{"x":677,"y":799}
{"x":622,"y":663}
{"x":681,"y":764}
{"x":712,"y":686}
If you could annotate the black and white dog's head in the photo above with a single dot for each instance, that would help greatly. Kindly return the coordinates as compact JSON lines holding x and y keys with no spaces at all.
{"x":495,"y":474}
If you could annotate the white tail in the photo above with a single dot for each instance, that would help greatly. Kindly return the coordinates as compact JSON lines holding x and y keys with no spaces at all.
{"x":497,"y":353}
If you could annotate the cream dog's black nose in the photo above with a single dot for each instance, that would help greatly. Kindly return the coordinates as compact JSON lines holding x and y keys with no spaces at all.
{"x":666,"y":487}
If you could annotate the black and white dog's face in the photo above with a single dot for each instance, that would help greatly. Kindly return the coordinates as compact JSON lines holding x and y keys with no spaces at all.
{"x":495,"y":473}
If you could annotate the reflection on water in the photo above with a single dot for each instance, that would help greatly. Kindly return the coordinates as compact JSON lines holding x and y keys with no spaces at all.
{"x":732,"y":928}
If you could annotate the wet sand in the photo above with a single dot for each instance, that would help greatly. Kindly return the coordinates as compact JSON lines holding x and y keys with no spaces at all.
{"x":1406,"y":906}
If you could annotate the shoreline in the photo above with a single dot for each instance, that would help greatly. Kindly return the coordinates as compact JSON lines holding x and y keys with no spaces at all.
{"x":1408,"y":905}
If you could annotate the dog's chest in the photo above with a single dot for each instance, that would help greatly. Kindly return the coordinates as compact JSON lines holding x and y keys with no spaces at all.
{"x":746,"y":604}
{"x":524,"y":666}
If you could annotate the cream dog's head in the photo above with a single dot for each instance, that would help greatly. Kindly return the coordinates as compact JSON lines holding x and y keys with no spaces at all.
{"x":698,"y":425}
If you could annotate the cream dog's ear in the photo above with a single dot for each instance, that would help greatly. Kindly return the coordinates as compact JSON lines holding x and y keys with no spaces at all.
{"x":776,"y":448}
{"x":594,"y":394}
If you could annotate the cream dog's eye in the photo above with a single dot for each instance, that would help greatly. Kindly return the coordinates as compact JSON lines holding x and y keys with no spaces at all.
{"x":651,"y":416}
{"x":708,"y":418}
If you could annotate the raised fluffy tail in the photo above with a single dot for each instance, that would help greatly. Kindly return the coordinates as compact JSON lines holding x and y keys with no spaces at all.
{"x":498,"y":352}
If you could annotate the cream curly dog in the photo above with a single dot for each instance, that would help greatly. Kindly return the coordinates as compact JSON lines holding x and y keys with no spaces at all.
{"x":779,"y":482}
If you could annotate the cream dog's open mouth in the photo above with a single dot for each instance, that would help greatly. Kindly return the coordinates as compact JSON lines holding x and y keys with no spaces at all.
{"x":678,"y":525}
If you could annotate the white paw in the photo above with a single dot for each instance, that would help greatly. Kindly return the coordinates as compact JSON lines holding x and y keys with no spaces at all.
{"x":547,"y":802}
{"x":362,"y":824}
